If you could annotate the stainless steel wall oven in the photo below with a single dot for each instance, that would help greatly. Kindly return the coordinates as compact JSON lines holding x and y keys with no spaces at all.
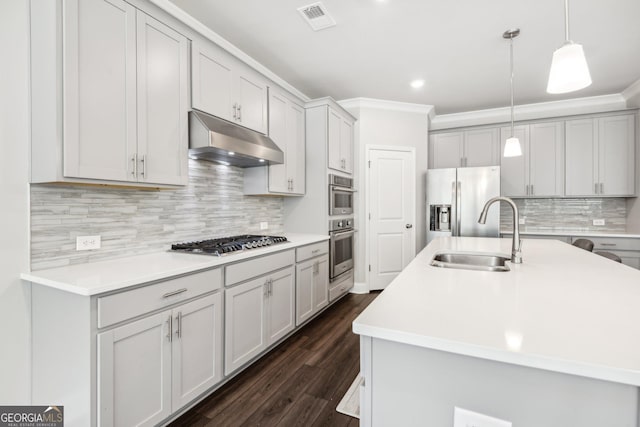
{"x":341,"y":244}
{"x":341,"y":195}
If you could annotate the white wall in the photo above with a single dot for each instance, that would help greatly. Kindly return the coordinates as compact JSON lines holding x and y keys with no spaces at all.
{"x":391,"y":124}
{"x":14,"y":192}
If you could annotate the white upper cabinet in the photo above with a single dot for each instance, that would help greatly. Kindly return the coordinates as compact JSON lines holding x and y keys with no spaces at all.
{"x":539,"y":172}
{"x":225,"y":87}
{"x":287,"y":130}
{"x":340,"y":141}
{"x":478,"y":147}
{"x":600,"y":156}
{"x":117,"y":118}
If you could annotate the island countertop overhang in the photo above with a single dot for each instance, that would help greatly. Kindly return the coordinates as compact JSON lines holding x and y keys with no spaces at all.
{"x":563,"y":309}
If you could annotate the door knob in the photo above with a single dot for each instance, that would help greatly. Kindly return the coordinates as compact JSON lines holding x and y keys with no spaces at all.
{"x":409,"y":226}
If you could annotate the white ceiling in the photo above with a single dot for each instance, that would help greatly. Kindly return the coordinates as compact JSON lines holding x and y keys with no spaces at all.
{"x":378,"y":47}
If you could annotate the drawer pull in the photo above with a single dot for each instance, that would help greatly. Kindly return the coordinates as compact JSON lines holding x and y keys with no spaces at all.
{"x":315,"y":251}
{"x":170,"y":294}
{"x":608,"y":244}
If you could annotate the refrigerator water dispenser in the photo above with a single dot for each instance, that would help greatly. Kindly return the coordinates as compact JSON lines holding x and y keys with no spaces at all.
{"x":440,"y":217}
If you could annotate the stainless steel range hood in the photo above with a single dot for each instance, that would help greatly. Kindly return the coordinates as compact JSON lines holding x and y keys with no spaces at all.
{"x":219,"y":141}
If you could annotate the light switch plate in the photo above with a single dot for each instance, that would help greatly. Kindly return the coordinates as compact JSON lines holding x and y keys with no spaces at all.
{"x":466,"y":418}
{"x":84,"y":243}
{"x":264,"y":225}
{"x":522,"y":220}
{"x":598,"y":222}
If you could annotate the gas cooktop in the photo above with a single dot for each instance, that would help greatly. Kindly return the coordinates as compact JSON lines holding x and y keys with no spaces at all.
{"x":227,"y":245}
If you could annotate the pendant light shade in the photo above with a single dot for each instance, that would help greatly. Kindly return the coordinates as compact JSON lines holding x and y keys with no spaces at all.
{"x":512,"y":144}
{"x":569,"y":70}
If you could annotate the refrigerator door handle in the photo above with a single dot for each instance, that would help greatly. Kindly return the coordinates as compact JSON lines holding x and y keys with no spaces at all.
{"x":454,"y":215}
{"x":459,"y":207}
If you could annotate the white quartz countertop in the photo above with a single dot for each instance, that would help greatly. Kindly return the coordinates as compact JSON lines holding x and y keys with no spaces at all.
{"x":563,"y":309}
{"x":116,"y":274}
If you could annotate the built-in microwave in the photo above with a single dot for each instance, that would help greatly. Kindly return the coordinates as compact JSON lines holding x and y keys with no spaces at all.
{"x":341,"y":195}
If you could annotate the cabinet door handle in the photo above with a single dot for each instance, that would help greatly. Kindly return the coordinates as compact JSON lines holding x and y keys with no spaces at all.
{"x":526,"y":189}
{"x":270,"y":287}
{"x":179,"y":321}
{"x":291,"y":184}
{"x":235,"y":110}
{"x":601,"y":188}
{"x":595,"y":188}
{"x":532,"y":192}
{"x":134,"y":160}
{"x":239,"y":112}
{"x":144,"y":165}
{"x":170,"y":294}
{"x":170,"y":328}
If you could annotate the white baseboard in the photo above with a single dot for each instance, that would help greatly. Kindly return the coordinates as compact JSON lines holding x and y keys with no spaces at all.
{"x":360,"y":288}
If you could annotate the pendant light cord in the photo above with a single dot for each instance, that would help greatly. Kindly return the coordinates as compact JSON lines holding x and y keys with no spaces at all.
{"x":566,"y":20}
{"x":511,"y":56}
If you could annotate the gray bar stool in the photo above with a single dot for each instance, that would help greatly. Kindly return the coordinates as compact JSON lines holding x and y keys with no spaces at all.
{"x":609,"y":255}
{"x":585,"y":244}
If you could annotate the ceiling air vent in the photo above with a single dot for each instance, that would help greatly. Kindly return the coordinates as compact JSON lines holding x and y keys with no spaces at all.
{"x":316,"y":16}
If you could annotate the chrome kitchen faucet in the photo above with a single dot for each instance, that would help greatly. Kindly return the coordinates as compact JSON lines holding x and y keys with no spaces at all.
{"x":516,"y":244}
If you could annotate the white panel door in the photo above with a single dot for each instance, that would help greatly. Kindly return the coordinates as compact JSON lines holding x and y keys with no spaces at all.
{"x":333,"y":140}
{"x":581,"y":162}
{"x":212,"y":82}
{"x":162,"y":103}
{"x":245,"y":315}
{"x":281,"y":304}
{"x":446,"y":150}
{"x":134,"y":373}
{"x":546,"y":159}
{"x":514,"y":171}
{"x":616,"y":141}
{"x":99,"y":89}
{"x":251,"y":95}
{"x":197,"y":348}
{"x":392,"y":214}
{"x":278,"y":177}
{"x":481,"y":147}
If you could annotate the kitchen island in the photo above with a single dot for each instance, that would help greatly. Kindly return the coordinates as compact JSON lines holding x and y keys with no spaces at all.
{"x":552,"y":342}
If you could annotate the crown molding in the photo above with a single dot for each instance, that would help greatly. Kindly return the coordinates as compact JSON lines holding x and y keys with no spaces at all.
{"x":632,"y":91}
{"x":216,"y":38}
{"x":382,"y":104}
{"x":593,"y":104}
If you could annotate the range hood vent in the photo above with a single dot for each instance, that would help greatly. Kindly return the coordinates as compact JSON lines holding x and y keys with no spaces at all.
{"x":316,"y":16}
{"x":223,"y":142}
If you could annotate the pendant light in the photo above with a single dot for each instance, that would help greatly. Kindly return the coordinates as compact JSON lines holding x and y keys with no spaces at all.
{"x":569,"y":70}
{"x":512,"y":144}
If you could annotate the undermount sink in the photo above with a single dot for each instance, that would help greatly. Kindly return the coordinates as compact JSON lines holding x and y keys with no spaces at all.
{"x":471,"y":261}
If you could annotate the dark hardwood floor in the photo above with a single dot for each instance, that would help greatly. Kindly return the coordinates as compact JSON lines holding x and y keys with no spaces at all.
{"x":298,"y":383}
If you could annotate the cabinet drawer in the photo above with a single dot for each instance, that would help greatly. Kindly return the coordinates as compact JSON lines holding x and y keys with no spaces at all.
{"x":310,"y":251}
{"x":613,"y":243}
{"x":125,"y":305}
{"x":236,"y":273}
{"x":340,"y":286}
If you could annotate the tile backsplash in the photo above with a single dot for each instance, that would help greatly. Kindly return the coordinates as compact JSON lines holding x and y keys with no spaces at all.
{"x":134,"y":221}
{"x":566,"y":215}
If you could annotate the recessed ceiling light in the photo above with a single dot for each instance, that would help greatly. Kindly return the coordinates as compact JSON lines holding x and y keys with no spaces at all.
{"x":417,"y":84}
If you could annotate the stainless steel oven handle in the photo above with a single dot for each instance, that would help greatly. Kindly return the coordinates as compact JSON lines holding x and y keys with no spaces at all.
{"x":339,"y":188}
{"x":341,"y":232}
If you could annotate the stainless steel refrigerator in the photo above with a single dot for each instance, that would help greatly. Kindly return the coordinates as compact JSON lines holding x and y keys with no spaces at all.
{"x":455,"y":198}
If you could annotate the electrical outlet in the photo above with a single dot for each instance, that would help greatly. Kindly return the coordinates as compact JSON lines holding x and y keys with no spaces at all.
{"x":84,"y":243}
{"x":522,"y":220}
{"x":264,"y":225}
{"x":466,"y":418}
{"x":598,"y":222}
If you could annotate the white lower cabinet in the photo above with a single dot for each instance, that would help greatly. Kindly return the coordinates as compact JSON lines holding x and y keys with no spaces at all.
{"x":312,"y":287}
{"x":257,"y":314}
{"x":151,"y":367}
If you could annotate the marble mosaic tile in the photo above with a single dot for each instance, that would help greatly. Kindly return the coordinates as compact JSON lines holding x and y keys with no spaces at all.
{"x":133,"y":221}
{"x":566,"y":215}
